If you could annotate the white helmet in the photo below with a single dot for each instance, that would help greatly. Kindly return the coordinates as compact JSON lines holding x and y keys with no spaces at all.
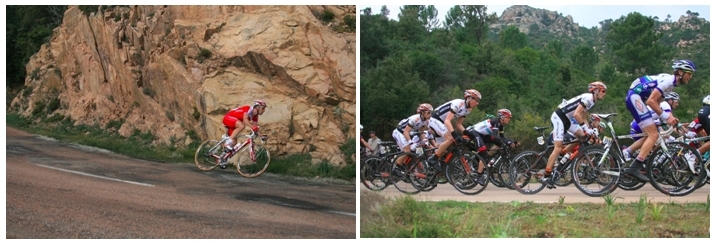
{"x":706,"y":100}
{"x":361,"y":127}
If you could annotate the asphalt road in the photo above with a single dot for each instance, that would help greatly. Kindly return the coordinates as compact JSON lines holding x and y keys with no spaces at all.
{"x":60,"y":190}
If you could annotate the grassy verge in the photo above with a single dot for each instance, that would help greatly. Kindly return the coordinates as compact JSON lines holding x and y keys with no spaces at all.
{"x":139,"y":145}
{"x":406,"y":218}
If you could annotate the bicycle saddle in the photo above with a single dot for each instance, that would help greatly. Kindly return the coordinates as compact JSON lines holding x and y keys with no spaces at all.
{"x":606,"y":116}
{"x":539,"y":129}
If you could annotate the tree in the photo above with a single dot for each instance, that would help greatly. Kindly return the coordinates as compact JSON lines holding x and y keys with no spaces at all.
{"x":635,"y":45}
{"x":409,"y":27}
{"x":555,"y":48}
{"x":584,"y":58}
{"x":512,"y":38}
{"x":384,"y":11}
{"x":429,"y":17}
{"x":473,"y":19}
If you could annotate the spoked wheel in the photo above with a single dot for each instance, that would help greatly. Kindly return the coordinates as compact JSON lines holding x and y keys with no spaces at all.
{"x":372,"y":171}
{"x":503,"y":171}
{"x":403,"y":175}
{"x":564,"y":176}
{"x":462,"y":172}
{"x":594,"y":172}
{"x":707,"y":178}
{"x":493,"y":173}
{"x":675,"y":178}
{"x":207,"y":155}
{"x":628,"y":182}
{"x":525,"y":171}
{"x":253,"y":166}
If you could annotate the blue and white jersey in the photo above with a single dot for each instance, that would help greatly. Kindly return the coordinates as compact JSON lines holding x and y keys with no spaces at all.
{"x":568,"y":107}
{"x":664,"y":106}
{"x":415,"y":123}
{"x":485,"y":127}
{"x":456,"y":106}
{"x":643,"y":86}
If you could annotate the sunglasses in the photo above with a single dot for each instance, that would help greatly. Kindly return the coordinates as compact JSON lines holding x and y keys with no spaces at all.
{"x":686,"y":71}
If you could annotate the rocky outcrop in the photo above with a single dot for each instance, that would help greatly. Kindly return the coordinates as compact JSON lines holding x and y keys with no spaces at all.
{"x":172,"y":69}
{"x":526,"y":18}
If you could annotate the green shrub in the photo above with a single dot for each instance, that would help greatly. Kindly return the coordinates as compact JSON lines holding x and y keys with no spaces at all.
{"x":327,"y":16}
{"x":53,"y":105}
{"x":39,"y":108}
{"x":203,"y":55}
{"x":196,"y":114}
{"x":170,"y":115}
{"x":350,"y":20}
{"x":148,"y":91}
{"x":88,"y":9}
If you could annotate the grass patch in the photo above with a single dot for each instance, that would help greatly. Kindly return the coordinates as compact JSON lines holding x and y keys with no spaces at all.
{"x":140,"y":145}
{"x":406,"y":217}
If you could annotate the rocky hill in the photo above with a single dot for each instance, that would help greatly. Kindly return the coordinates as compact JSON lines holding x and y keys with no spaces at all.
{"x":528,"y":19}
{"x":173,"y":69}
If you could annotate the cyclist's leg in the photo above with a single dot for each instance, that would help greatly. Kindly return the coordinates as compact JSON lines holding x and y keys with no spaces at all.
{"x":558,"y":137}
{"x":402,"y":144}
{"x":231,"y":123}
{"x":643,"y":117}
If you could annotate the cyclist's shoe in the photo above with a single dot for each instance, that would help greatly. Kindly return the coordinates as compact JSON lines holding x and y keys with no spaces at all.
{"x":691,"y":159}
{"x":636,"y":173}
{"x":222,"y":164}
{"x":480,"y":179}
{"x":399,"y":175}
{"x":547,"y":180}
{"x":433,"y":162}
{"x":626,"y":154}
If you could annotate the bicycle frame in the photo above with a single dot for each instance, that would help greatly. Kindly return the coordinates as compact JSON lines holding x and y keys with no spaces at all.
{"x":249,"y":141}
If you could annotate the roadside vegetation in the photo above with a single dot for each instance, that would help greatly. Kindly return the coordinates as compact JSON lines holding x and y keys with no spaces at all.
{"x":140,"y":145}
{"x":404,"y":217}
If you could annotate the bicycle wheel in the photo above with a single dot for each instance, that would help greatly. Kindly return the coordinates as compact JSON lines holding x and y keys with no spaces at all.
{"x":596,"y":173}
{"x":564,"y":175}
{"x":672,"y":176}
{"x":525,"y":171}
{"x":371,"y":173}
{"x":403,"y":175}
{"x":706,"y":179}
{"x":628,"y":182}
{"x":253,"y":167}
{"x":493,"y":174}
{"x":463,"y":181}
{"x":503,"y":172}
{"x":207,"y":155}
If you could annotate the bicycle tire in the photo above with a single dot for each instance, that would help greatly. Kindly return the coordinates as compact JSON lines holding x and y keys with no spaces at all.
{"x":371,"y":173}
{"x":207,"y":155}
{"x":593,"y":178}
{"x":493,"y":174}
{"x":503,"y":173}
{"x":463,"y":181}
{"x":675,"y":178}
{"x":564,"y":177}
{"x":524,"y":172}
{"x":628,"y":182}
{"x":251,"y":168}
{"x":402,"y":176}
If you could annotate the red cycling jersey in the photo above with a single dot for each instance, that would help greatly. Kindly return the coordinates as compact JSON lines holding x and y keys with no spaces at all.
{"x":237,"y":114}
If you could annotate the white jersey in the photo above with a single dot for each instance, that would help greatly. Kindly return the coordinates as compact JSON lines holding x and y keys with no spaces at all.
{"x":568,"y":107}
{"x":456,"y":106}
{"x":643,"y":86}
{"x":415,"y":123}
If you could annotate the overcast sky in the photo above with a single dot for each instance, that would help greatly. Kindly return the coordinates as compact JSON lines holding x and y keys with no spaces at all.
{"x":583,"y":15}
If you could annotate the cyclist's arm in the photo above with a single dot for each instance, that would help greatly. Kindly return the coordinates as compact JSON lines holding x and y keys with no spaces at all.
{"x":458,"y":124}
{"x":247,"y":122}
{"x":653,"y":102}
{"x":578,"y":114}
{"x":365,"y":144}
{"x":406,"y":133}
{"x":448,"y":122}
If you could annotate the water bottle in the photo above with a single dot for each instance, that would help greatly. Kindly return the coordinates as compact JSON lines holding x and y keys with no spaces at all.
{"x":565,"y":158}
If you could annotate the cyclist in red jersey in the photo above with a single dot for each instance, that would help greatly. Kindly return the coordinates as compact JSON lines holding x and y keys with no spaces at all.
{"x":240,"y":117}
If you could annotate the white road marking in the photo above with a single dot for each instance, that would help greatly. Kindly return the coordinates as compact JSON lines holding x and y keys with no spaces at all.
{"x":96,"y":176}
{"x":341,"y":213}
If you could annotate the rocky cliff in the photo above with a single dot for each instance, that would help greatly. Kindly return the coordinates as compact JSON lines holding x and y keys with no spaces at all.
{"x":527,"y":18}
{"x":173,"y":69}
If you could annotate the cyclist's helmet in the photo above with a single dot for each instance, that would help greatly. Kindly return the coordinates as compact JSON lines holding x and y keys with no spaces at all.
{"x":594,"y":117}
{"x":259,"y":102}
{"x":425,"y":107}
{"x":671,"y":96}
{"x":603,"y":125}
{"x":597,"y":85}
{"x":706,"y":101}
{"x":361,"y":127}
{"x":472,"y":93}
{"x":504,"y":113}
{"x":686,"y":65}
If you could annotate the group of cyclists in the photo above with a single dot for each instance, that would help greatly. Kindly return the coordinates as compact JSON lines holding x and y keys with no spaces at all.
{"x":650,"y":100}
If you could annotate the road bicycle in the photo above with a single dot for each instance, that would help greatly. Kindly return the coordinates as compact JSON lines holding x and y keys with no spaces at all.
{"x":706,"y":157}
{"x":666,"y":166}
{"x":253,"y":158}
{"x":375,"y":170}
{"x":528,"y":167}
